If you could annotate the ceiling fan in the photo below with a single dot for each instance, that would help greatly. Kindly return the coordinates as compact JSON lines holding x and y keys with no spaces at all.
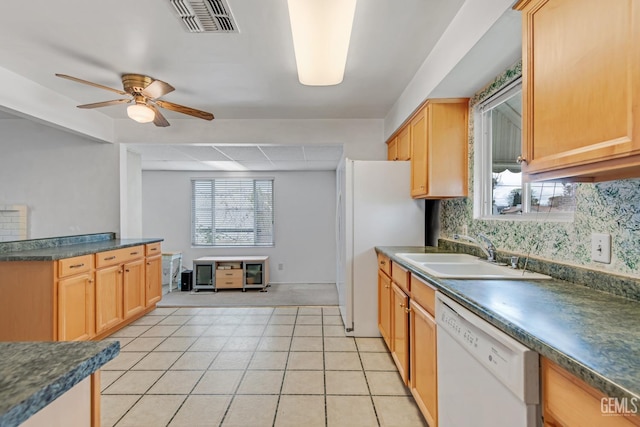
{"x":144,"y":92}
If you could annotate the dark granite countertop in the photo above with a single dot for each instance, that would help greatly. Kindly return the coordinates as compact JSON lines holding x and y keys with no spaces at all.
{"x":592,"y":334}
{"x":34,"y":374}
{"x":73,"y":249}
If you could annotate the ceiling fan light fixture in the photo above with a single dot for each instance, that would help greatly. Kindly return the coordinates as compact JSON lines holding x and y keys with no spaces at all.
{"x":321,"y":32}
{"x":140,"y":113}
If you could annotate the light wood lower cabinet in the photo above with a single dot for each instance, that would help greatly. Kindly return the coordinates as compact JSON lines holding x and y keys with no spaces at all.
{"x":400,"y":330}
{"x":133,"y":288}
{"x":153,"y":279}
{"x":76,"y":317}
{"x":384,"y":307}
{"x":423,"y":366}
{"x":78,"y":298}
{"x":568,"y":401}
{"x":108,"y":298}
{"x":406,"y":320}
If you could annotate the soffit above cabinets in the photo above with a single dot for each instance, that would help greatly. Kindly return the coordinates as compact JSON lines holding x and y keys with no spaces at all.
{"x":238,"y":157}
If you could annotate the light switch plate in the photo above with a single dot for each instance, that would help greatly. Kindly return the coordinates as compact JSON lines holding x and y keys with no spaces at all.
{"x":601,"y":247}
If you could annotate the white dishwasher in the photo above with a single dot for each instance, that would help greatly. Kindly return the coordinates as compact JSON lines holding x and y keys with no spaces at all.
{"x":485,"y":377}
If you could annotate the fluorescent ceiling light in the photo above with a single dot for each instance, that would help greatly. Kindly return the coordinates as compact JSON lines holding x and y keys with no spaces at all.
{"x":321,"y":31}
{"x":141,"y":113}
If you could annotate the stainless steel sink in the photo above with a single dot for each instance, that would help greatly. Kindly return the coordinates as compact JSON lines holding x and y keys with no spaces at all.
{"x":462,"y":266}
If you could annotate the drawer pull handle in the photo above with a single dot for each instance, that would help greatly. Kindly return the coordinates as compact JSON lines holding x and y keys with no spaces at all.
{"x":127,"y":270}
{"x":383,"y":262}
{"x":134,"y":253}
{"x":148,"y":263}
{"x":110,"y":258}
{"x":77,"y":265}
{"x":154,"y":249}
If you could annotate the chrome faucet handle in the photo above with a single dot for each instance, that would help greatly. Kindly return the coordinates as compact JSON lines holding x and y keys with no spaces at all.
{"x":491,"y":248}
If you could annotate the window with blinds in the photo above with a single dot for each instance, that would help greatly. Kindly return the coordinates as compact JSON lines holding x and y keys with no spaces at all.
{"x":232,"y":212}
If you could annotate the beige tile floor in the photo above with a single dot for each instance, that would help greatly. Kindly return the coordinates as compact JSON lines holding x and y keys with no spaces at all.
{"x":250,"y":367}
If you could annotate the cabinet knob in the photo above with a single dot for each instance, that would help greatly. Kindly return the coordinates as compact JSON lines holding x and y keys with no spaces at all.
{"x":521,"y":160}
{"x":407,"y":310}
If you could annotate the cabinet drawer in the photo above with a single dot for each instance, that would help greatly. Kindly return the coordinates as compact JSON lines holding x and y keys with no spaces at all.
{"x":118,"y":256}
{"x":401,"y":277}
{"x":75,"y":265}
{"x":384,"y":264}
{"x":152,"y":249}
{"x":229,"y":282}
{"x":229,"y":274}
{"x":424,"y":294}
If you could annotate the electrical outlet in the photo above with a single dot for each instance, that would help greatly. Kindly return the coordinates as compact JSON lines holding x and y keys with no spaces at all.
{"x":280,"y":266}
{"x":601,"y":247}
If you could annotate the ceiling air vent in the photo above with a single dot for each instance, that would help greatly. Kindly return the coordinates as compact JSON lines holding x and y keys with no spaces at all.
{"x":205,"y":16}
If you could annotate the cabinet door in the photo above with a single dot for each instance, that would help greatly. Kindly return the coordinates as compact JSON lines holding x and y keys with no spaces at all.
{"x":392,"y":149}
{"x":422,"y":354}
{"x":108,"y":297}
{"x":384,"y":307}
{"x":76,"y":308}
{"x":133,"y":287}
{"x":569,"y":401}
{"x":403,"y":147}
{"x":580,"y":88}
{"x":418,"y":136}
{"x":153,"y":278}
{"x":400,"y":331}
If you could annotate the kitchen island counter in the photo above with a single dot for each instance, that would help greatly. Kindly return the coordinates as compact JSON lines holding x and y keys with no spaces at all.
{"x":52,"y":249}
{"x":34,"y":374}
{"x":592,"y":334}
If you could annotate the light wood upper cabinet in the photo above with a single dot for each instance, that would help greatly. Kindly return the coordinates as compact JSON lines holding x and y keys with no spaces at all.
{"x":439,"y":144}
{"x":399,"y":146}
{"x":568,"y":401}
{"x":581,"y":89}
{"x":392,"y":149}
{"x":404,"y":144}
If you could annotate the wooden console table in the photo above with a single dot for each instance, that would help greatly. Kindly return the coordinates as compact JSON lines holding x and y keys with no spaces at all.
{"x":231,"y":272}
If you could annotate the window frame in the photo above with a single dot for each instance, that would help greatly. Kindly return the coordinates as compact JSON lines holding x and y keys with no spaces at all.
{"x":483,"y":161}
{"x":196,"y":244}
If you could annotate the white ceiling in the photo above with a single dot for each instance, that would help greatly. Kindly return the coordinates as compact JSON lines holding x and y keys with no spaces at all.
{"x":249,"y":75}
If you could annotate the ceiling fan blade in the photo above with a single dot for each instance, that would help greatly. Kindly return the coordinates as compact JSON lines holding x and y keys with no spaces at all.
{"x":184,"y":110}
{"x":159,"y":119}
{"x":75,"y":79}
{"x":105,"y":103}
{"x":156,"y":89}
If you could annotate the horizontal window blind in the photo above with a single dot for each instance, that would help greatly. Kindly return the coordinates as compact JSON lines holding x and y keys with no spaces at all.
{"x":232,"y":212}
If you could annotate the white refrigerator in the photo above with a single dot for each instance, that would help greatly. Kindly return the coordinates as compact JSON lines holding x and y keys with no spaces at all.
{"x":374,"y":208}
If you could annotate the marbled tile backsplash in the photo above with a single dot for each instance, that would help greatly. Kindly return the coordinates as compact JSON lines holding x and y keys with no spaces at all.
{"x":609,"y":207}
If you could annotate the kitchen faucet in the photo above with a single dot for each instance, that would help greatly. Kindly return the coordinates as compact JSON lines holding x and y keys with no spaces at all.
{"x":490,"y":250}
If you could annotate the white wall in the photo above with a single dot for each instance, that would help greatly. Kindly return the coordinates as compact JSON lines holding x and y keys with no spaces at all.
{"x":305,"y":212}
{"x":130,"y":193}
{"x":69,"y":183}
